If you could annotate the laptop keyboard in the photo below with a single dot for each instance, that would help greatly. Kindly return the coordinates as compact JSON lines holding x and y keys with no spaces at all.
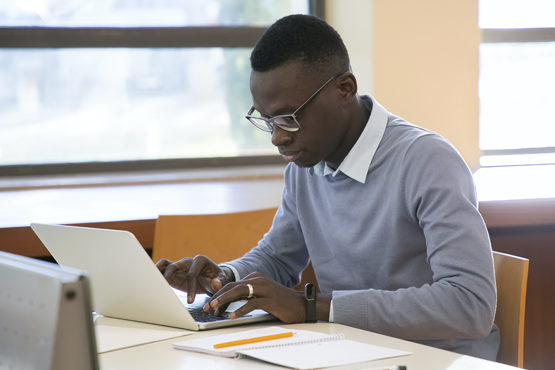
{"x":200,"y":316}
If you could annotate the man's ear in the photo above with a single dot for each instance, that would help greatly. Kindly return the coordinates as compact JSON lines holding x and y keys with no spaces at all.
{"x":348,"y":86}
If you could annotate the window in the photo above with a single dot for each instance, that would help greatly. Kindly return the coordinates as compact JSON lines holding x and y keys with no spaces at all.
{"x":116,"y":84}
{"x":517,"y":82}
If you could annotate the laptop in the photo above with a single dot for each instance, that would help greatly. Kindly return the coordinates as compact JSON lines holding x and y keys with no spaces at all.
{"x":125,"y":283}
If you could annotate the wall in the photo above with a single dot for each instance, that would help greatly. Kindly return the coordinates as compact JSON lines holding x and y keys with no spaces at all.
{"x":352,"y":19}
{"x":424,"y":56}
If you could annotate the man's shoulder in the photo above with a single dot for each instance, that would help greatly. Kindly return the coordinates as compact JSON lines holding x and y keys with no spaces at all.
{"x":403,"y":129}
{"x":409,"y":147}
{"x":405,"y":136}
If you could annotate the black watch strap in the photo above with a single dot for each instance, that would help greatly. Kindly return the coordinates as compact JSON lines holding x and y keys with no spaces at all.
{"x":310,"y":298}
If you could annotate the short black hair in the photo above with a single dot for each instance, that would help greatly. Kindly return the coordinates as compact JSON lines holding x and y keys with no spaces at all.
{"x":303,"y":38}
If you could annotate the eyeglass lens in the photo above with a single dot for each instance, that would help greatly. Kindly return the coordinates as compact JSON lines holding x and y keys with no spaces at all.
{"x":286,"y":123}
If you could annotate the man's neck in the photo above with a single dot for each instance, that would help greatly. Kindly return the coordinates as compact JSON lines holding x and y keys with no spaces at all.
{"x":359,"y":118}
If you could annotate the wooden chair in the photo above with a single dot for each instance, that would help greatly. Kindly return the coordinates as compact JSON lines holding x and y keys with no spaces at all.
{"x":511,"y":274}
{"x":221,"y":237}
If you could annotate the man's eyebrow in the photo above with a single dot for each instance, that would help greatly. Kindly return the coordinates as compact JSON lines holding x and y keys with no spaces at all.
{"x":279,"y":112}
{"x":261,"y":114}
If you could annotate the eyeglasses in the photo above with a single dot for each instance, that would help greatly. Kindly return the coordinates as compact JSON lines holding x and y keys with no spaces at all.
{"x":286,"y":122}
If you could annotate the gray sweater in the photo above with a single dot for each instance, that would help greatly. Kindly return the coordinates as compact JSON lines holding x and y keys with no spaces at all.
{"x":403,"y":249}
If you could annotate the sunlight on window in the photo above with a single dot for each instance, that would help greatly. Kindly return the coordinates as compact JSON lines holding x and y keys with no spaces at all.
{"x":517,"y":159}
{"x":159,"y":13}
{"x":526,"y":182}
{"x":114,"y":104}
{"x":517,"y":91}
{"x":81,"y":105}
{"x":516,"y":13}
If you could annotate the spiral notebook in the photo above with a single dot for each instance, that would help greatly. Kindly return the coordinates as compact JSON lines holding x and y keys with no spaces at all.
{"x":325,"y":350}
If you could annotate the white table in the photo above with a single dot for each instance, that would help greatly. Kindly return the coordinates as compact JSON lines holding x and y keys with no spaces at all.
{"x":161,"y":355}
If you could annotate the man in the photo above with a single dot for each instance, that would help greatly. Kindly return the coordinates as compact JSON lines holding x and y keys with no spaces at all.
{"x":386,"y":211}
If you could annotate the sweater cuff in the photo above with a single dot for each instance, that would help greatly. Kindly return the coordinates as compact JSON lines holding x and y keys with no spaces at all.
{"x":348,"y":307}
{"x":233,"y":269}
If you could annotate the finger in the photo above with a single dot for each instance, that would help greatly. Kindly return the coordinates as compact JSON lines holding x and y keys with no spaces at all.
{"x":221,"y":305}
{"x":198,"y":266}
{"x":220,"y":280}
{"x":216,"y":284}
{"x":176,"y":271}
{"x":221,"y":309}
{"x":255,"y":279}
{"x":237,"y":292}
{"x":216,"y":295}
{"x":251,"y":305}
{"x":162,"y":264}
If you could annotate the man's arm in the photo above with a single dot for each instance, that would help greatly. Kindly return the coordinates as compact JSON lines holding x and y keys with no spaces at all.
{"x":281,"y":255}
{"x":273,"y":267}
{"x":460,"y":302}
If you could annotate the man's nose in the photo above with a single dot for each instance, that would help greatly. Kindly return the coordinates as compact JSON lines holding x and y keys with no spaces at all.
{"x":281,"y":137}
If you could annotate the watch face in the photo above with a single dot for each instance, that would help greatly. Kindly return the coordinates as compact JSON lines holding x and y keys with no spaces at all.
{"x":309,"y":290}
{"x":310,"y":297}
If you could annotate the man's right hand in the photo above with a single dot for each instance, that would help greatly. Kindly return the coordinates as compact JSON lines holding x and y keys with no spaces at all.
{"x":194,"y":275}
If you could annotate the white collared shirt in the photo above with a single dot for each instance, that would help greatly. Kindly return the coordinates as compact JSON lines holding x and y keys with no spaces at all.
{"x":356,"y":163}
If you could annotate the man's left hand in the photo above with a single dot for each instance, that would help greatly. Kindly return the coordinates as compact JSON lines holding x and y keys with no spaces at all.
{"x":286,"y":304}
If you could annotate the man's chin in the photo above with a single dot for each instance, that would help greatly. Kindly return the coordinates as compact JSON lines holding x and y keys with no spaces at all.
{"x":305,"y":164}
{"x":300,"y":160}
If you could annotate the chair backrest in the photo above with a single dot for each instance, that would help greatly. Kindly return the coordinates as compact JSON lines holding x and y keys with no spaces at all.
{"x":511,"y":274}
{"x":221,"y":237}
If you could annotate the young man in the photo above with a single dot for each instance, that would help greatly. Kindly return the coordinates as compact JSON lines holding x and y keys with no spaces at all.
{"x":386,"y":211}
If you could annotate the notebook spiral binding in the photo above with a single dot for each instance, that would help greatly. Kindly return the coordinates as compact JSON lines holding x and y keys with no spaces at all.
{"x":331,"y":338}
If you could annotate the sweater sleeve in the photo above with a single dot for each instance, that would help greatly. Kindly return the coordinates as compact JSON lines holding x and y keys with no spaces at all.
{"x":439,"y":194}
{"x":281,"y":255}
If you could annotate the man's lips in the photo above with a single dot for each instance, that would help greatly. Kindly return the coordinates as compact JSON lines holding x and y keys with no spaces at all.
{"x":290,"y":156}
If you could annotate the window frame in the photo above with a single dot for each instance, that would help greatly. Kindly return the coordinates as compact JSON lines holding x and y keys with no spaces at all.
{"x":517,"y":35}
{"x":137,"y":37}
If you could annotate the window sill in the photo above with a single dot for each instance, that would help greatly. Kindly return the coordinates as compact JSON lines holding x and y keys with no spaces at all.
{"x":243,"y":173}
{"x":138,"y":196}
{"x":516,"y":196}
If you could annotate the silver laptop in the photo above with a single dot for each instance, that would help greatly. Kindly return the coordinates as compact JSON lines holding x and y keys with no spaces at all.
{"x":126,"y":284}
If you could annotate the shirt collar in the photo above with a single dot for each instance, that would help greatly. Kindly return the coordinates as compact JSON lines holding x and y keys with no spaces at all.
{"x":357,"y":162}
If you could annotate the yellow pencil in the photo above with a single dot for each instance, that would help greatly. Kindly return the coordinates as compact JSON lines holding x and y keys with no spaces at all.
{"x":253,"y":340}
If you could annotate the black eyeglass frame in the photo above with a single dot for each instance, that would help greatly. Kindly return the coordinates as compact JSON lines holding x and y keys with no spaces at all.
{"x":269,"y":123}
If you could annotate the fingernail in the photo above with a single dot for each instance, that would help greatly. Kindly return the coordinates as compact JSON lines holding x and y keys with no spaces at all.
{"x":206,"y":307}
{"x":232,"y":315}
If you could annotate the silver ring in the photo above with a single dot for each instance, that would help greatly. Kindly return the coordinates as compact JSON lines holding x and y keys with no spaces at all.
{"x":251,"y":292}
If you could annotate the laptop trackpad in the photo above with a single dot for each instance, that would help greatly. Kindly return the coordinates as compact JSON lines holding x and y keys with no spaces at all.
{"x":201,"y":299}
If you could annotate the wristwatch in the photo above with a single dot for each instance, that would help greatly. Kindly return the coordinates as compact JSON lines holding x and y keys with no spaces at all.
{"x":310,"y":298}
